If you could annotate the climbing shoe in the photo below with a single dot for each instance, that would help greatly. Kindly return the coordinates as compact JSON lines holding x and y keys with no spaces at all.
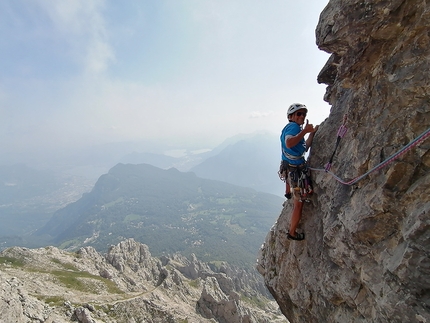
{"x":288,"y":195}
{"x":298,"y":236}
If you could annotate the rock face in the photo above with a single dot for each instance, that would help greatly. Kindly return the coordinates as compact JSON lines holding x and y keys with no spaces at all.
{"x":366,"y":257}
{"x":125,"y":285}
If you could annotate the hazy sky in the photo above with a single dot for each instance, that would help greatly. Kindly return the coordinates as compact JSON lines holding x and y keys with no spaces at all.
{"x":93,"y":71}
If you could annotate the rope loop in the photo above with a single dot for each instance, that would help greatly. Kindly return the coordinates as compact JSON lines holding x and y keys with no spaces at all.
{"x":418,"y":140}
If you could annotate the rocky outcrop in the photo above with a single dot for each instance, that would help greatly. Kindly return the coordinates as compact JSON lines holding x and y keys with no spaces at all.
{"x":214,"y":303}
{"x":191,"y":268}
{"x":83,"y":315}
{"x":366,"y":253}
{"x":12,"y":300}
{"x":126,"y":284}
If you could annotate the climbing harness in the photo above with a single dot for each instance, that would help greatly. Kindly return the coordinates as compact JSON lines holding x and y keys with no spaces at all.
{"x":298,"y":180}
{"x":418,"y":140}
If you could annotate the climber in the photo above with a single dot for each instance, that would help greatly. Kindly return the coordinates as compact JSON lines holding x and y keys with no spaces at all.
{"x":293,"y":169}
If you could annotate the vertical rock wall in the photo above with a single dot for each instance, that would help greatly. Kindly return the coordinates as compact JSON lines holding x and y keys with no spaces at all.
{"x":366,"y":257}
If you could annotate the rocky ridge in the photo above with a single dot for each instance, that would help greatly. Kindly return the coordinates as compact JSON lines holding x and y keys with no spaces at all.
{"x":366,"y":253}
{"x":126,"y":284}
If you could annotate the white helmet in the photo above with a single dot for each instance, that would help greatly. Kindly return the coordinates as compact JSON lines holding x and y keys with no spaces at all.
{"x":296,"y":107}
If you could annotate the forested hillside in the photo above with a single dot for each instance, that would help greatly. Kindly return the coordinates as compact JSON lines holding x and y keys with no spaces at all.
{"x":169,"y":211}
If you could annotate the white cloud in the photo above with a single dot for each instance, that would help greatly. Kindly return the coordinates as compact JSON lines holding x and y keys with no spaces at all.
{"x":81,"y":24}
{"x":99,"y":55}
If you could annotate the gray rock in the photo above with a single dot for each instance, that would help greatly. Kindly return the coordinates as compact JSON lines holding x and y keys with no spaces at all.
{"x":84,"y":315}
{"x":214,"y":304}
{"x":366,"y":253}
{"x":52,"y":285}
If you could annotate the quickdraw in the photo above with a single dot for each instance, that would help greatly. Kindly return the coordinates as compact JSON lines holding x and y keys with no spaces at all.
{"x":340,"y":133}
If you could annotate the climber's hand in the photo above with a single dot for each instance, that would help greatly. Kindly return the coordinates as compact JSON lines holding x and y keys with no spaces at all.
{"x":309,"y":127}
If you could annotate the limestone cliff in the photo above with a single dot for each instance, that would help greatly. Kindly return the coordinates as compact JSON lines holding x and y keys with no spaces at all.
{"x":366,"y":253}
{"x":126,"y":285}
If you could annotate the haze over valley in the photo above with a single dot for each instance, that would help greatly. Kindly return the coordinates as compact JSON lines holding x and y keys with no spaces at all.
{"x":246,"y":164}
{"x":146,"y":125}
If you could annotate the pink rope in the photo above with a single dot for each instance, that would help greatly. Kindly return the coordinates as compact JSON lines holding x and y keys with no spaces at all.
{"x":421,"y":138}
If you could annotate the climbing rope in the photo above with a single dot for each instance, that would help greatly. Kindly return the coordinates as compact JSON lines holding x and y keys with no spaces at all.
{"x":402,"y":151}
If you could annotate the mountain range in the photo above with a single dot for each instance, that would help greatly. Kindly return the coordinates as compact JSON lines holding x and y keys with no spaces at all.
{"x":127,"y":284}
{"x":168,"y":210}
{"x":192,"y":207}
{"x":250,"y":162}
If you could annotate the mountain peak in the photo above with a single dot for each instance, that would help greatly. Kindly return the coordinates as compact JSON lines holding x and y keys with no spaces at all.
{"x":170,"y":211}
{"x":86,"y":286}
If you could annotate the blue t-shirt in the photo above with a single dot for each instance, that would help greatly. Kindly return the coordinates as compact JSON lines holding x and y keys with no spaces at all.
{"x":293,"y":155}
